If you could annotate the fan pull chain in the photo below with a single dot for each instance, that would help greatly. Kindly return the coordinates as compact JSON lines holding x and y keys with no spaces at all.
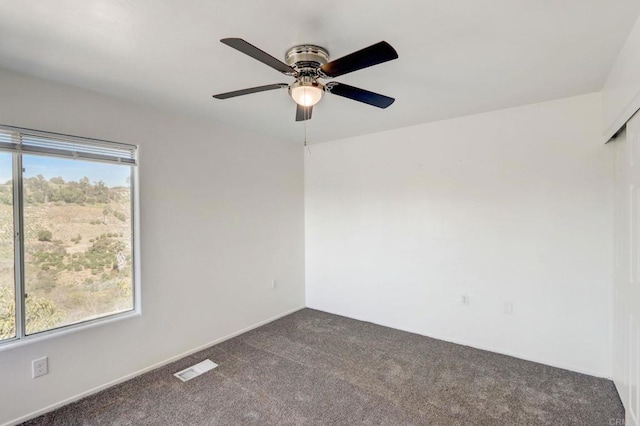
{"x":305,"y":137}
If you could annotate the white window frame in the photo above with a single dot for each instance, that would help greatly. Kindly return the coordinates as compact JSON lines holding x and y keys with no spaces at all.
{"x":18,"y":141}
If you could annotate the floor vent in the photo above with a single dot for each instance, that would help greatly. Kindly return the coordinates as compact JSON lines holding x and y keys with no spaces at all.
{"x":196,"y":370}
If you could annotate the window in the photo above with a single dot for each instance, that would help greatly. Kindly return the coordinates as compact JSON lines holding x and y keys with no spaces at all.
{"x":66,"y":231}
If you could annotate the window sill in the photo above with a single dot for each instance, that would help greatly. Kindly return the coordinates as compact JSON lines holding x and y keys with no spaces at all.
{"x":74,"y":328}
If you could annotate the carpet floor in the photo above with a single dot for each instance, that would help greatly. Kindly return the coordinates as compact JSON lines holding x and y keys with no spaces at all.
{"x":314,"y":368}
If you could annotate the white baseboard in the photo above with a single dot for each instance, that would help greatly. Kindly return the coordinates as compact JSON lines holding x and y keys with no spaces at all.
{"x":145,"y":370}
{"x":520,"y":356}
{"x":476,"y":346}
{"x":261,"y":323}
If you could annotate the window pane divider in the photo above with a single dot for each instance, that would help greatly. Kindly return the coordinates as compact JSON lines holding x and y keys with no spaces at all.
{"x":18,"y":244}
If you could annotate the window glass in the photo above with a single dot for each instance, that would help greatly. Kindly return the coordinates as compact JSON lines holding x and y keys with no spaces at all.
{"x":77,"y":241}
{"x":7,"y":288}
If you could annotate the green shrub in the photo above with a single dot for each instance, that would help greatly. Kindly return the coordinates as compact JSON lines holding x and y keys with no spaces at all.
{"x":42,"y":314}
{"x":45,"y":235}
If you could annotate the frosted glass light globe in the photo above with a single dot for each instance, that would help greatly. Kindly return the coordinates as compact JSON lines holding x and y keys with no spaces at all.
{"x":306,"y":94}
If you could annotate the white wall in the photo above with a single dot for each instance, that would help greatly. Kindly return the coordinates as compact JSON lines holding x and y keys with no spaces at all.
{"x":507,"y":206}
{"x":221,"y":216}
{"x":626,"y":320}
{"x":621,"y":91}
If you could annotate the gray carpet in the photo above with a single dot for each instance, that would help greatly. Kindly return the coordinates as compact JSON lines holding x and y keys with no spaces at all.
{"x":314,"y":368}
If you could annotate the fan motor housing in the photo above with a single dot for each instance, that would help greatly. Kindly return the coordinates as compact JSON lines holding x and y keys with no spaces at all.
{"x":306,"y":57}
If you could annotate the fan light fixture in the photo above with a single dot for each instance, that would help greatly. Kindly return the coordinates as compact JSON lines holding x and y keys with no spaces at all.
{"x":306,"y":93}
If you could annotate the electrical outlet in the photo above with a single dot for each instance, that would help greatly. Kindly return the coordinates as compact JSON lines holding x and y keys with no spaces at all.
{"x":40,"y":367}
{"x":274,"y":284}
{"x":464,"y":299}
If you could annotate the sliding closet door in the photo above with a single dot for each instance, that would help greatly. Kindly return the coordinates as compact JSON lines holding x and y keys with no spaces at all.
{"x":626,"y":321}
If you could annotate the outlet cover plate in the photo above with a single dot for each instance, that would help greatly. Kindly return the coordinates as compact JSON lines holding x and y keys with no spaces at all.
{"x":39,"y":367}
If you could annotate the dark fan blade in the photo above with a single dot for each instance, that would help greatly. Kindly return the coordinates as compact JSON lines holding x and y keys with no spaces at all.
{"x":255,"y":53}
{"x":359,"y":95}
{"x":372,"y":55}
{"x":303,"y":113}
{"x":251,"y":90}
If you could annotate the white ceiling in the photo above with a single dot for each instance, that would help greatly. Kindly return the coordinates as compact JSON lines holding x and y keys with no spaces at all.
{"x":457,"y":57}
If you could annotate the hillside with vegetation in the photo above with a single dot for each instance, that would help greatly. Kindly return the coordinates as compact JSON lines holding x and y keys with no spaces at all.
{"x":77,"y":243}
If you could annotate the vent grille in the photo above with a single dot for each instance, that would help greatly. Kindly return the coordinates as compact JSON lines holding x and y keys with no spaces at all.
{"x":196,"y":370}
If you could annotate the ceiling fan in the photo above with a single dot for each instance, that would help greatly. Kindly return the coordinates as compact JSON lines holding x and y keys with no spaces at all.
{"x":307,"y":63}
